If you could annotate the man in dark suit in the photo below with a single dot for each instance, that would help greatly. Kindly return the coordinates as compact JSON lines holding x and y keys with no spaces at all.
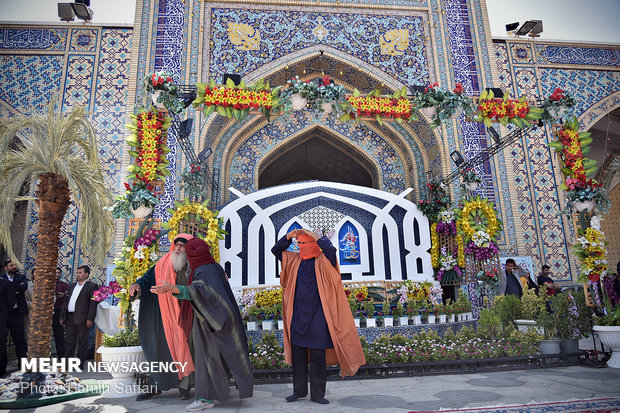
{"x":7,"y":301}
{"x":79,"y":313}
{"x":17,"y":311}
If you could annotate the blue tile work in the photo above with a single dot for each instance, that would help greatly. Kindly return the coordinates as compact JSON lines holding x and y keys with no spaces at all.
{"x":281,"y":32}
{"x":169,"y":55}
{"x":29,"y":81}
{"x":83,"y":40}
{"x":247,"y":157}
{"x":93,"y":71}
{"x":78,"y":81}
{"x":36,"y":39}
{"x":576,"y":55}
{"x":547,"y":237}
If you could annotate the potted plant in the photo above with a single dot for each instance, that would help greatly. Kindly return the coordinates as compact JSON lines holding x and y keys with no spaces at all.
{"x":398,"y":313}
{"x":438,"y":200}
{"x":278,"y":316}
{"x":330,"y":95}
{"x":121,"y":347}
{"x":607,"y":324}
{"x":440,"y":104}
{"x":298,"y":94}
{"x":388,"y":320}
{"x":449,"y":310}
{"x":413,"y":312}
{"x":269,"y":314}
{"x":369,"y":310}
{"x":163,"y":91}
{"x":531,"y":305}
{"x":585,"y":194}
{"x":354,"y":307}
{"x":194,"y":182}
{"x":575,"y":321}
{"x":471,"y":180}
{"x":139,"y":200}
{"x":556,"y":106}
{"x":253,"y":317}
{"x":440,"y":310}
{"x":549,"y":321}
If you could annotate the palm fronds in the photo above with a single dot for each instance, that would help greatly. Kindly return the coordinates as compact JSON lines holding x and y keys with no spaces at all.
{"x":62,"y":144}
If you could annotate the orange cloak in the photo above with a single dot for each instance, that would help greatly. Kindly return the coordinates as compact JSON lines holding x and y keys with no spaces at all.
{"x":347,"y":351}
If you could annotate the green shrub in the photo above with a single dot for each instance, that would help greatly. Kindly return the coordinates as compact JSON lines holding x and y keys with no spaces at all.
{"x":508,"y":308}
{"x":125,"y":338}
{"x":489,"y":324}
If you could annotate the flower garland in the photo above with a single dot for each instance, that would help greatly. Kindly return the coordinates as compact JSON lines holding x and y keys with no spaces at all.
{"x":449,"y":269}
{"x":148,"y":137}
{"x":591,"y":251}
{"x":380,"y":106}
{"x":209,"y":219}
{"x":434,"y":246}
{"x":235,"y":101}
{"x":505,"y":111}
{"x":105,"y":291}
{"x":137,"y":256}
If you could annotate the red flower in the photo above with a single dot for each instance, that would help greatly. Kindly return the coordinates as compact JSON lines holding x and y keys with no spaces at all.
{"x":198,"y":168}
{"x":431,"y":86}
{"x":326,"y":80}
{"x":458,"y":88}
{"x":127,"y":187}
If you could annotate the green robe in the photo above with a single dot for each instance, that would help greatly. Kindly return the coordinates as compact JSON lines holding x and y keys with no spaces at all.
{"x":220,"y":343}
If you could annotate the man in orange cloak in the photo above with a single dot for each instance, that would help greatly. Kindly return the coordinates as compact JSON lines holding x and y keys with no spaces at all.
{"x":318,"y":324}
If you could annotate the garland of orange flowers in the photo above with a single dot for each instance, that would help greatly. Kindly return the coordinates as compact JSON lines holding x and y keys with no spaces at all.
{"x":149,"y":131}
{"x":383,"y":106}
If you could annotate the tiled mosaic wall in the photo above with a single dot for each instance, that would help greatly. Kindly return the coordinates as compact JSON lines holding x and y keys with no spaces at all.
{"x":592,"y":75}
{"x":87,"y":67}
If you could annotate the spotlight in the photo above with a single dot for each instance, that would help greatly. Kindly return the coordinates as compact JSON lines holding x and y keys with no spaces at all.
{"x":511,"y":27}
{"x":535,"y":26}
{"x":495,"y":135}
{"x":82,"y":11}
{"x":65,"y":12}
{"x":457,"y":158}
{"x":185,"y":128}
{"x":206,"y":152}
{"x":497,"y":92}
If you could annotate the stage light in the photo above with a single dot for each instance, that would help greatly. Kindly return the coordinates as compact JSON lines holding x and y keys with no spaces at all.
{"x":82,"y":11}
{"x":511,"y":27}
{"x":206,"y":152}
{"x":534,"y":26}
{"x":495,"y":135}
{"x":65,"y":12}
{"x":457,"y":158}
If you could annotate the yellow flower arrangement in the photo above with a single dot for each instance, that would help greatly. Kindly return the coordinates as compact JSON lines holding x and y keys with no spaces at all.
{"x":592,"y":253}
{"x":269,"y":297}
{"x":208,"y":220}
{"x":471,"y":221}
{"x":434,"y":246}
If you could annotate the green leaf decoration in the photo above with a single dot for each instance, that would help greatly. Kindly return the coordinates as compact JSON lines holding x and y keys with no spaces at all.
{"x":230,"y":84}
{"x":556,"y":145}
{"x":484,"y":95}
{"x":591,"y":171}
{"x":488,"y":122}
{"x":208,"y":111}
{"x":585,"y":141}
{"x":567,"y":171}
{"x":356,"y":93}
{"x":212,"y":84}
{"x":588,"y":163}
{"x":379,"y":120}
{"x":586,"y":149}
{"x":221,"y":110}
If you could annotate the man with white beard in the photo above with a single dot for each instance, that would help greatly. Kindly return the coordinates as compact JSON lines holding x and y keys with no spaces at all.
{"x":164,"y":335}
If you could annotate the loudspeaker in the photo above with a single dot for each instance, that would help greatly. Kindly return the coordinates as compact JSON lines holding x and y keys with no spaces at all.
{"x":235,"y":78}
{"x":65,"y":12}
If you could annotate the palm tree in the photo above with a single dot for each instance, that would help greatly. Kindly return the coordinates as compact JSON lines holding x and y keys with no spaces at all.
{"x":60,"y":150}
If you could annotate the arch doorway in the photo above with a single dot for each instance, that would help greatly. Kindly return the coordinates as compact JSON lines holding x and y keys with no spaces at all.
{"x":317,"y":158}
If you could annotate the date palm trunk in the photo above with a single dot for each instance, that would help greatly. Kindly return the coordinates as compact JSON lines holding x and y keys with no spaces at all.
{"x":53,"y":200}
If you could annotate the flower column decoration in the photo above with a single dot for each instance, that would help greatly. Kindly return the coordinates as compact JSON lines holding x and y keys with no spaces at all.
{"x":148,"y":138}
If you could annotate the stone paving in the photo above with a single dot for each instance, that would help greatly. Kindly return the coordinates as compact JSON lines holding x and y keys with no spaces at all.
{"x":398,"y":395}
